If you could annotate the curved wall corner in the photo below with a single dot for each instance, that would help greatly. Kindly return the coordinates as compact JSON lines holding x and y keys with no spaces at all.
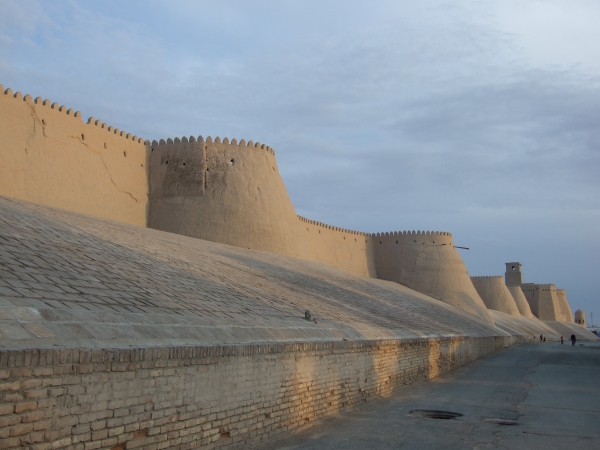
{"x":222,"y":192}
{"x":495,"y":295}
{"x":564,"y":306}
{"x":428,"y":263}
{"x":520,"y":301}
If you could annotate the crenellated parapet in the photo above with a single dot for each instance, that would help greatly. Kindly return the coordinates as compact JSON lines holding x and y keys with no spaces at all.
{"x":209,"y":140}
{"x":413,"y":232}
{"x":110,"y":129}
{"x":43,"y":104}
{"x":331,"y":227}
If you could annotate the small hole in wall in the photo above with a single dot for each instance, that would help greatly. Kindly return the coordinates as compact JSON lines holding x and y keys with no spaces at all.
{"x":231,"y":161}
{"x":344,"y":237}
{"x":319,"y":231}
{"x":273,"y":168}
{"x":83,"y":137}
{"x":141,"y":165}
{"x":184,"y":164}
{"x":396,"y":242}
{"x":105,"y":145}
{"x":167,"y":162}
{"x":43,"y":122}
{"x":125,"y":154}
{"x":354,"y":240}
{"x":380,"y":242}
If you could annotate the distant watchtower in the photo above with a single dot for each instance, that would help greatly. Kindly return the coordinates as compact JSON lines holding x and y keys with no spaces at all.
{"x":513,"y":275}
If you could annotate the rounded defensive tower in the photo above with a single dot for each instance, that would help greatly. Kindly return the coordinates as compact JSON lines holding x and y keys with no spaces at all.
{"x":223,"y":192}
{"x":580,"y":317}
{"x":520,"y":301}
{"x":495,"y":295}
{"x":428,"y":263}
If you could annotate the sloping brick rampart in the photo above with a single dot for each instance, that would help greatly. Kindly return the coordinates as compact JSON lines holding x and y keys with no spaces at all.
{"x":219,"y":396}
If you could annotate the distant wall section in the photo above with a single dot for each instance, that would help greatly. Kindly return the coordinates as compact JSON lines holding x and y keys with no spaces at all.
{"x":543,"y":300}
{"x":495,"y":295}
{"x":520,"y":301}
{"x":49,"y":156}
{"x":428,"y":263}
{"x":564,"y":306}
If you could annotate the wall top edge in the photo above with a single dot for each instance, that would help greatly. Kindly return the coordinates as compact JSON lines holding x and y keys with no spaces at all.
{"x":411,"y":233}
{"x":331,"y":227}
{"x":69,"y":112}
{"x":384,"y":234}
{"x":487,"y":276}
{"x":208,"y":140}
{"x":54,"y":356}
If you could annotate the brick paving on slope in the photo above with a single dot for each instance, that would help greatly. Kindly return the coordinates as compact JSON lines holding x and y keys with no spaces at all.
{"x":72,"y":280}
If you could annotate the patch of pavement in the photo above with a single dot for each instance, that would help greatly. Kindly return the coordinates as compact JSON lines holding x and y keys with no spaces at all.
{"x":533,"y":396}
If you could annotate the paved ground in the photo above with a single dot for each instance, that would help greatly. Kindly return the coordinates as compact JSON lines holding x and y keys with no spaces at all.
{"x":547,"y":394}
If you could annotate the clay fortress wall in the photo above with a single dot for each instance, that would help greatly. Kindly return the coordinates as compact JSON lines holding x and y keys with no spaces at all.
{"x":120,"y":330}
{"x":230,"y":192}
{"x":220,"y":190}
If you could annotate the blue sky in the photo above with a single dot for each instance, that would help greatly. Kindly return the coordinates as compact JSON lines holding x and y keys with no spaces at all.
{"x":475,"y":117}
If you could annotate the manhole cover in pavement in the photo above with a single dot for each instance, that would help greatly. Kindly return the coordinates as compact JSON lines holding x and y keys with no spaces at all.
{"x":499,"y":421}
{"x":435,"y":414}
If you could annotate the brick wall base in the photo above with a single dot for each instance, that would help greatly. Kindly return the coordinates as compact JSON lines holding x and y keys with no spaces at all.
{"x":220,"y":396}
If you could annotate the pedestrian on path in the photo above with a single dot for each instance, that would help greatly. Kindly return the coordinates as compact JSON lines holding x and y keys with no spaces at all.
{"x":573,"y":339}
{"x":561,"y":339}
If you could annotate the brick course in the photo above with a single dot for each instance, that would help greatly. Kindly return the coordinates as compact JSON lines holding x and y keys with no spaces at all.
{"x":229,"y":396}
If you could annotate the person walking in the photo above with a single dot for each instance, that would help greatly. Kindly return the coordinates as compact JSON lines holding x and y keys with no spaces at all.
{"x":561,"y":339}
{"x":541,"y":337}
{"x":573,"y":339}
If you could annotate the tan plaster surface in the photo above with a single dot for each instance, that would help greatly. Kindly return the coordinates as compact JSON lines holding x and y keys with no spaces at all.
{"x":49,"y":156}
{"x":68,"y":279}
{"x":430,"y":264}
{"x":546,"y":303}
{"x":566,"y":315}
{"x":495,"y":295}
{"x":520,"y":301}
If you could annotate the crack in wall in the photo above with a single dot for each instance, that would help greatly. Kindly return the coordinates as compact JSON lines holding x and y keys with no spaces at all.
{"x":123,"y":191}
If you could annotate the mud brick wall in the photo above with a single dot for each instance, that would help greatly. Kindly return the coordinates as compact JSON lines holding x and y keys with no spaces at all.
{"x":221,"y":396}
